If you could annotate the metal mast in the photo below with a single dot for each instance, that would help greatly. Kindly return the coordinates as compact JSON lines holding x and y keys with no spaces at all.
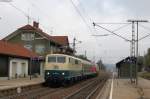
{"x":134,"y":44}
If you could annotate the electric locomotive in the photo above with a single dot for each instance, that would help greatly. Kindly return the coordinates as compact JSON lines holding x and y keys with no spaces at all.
{"x":61,"y":69}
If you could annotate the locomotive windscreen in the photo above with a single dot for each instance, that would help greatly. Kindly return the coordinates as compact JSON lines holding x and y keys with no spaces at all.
{"x":56,"y":59}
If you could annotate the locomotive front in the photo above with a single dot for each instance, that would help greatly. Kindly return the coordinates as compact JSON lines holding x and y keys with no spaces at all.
{"x":55,"y":69}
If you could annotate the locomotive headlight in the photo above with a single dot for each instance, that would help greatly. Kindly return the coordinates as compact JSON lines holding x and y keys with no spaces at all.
{"x":48,"y":73}
{"x":63,"y":73}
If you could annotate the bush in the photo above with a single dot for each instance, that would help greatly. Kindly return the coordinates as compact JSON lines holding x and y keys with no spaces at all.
{"x":145,"y":75}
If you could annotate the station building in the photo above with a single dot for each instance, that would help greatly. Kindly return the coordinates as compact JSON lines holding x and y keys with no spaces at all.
{"x":15,"y":61}
{"x":126,"y":67}
{"x":34,"y":39}
{"x":39,"y":42}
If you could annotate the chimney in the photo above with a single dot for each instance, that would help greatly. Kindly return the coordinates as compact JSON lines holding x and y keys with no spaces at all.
{"x":35,"y":24}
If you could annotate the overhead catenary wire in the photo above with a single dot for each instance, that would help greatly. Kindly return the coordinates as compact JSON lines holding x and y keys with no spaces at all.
{"x":90,"y":19}
{"x":144,"y":27}
{"x":20,"y":10}
{"x":37,"y":8}
{"x":25,"y":14}
{"x":82,"y":17}
{"x":83,"y":9}
{"x":146,"y":36}
{"x":117,"y":29}
{"x":94,"y":24}
{"x":111,"y":23}
{"x":84,"y":20}
{"x":79,"y":13}
{"x":121,"y":27}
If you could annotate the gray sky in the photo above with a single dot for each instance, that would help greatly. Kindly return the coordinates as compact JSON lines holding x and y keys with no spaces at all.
{"x":61,"y":17}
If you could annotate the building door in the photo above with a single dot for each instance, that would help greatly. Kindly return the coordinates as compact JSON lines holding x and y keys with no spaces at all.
{"x":23,"y":66}
{"x":14,"y":69}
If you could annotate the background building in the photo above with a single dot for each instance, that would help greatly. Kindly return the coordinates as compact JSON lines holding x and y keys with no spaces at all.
{"x":16,"y":61}
{"x":33,"y":38}
{"x":126,"y":67}
{"x":39,"y":42}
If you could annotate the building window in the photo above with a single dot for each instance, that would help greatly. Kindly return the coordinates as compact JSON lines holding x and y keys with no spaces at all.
{"x":40,"y":49}
{"x":28,"y":46}
{"x":27,"y":36}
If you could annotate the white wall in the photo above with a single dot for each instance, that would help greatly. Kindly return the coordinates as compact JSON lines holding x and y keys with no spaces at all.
{"x":42,"y":69}
{"x":18,"y":67}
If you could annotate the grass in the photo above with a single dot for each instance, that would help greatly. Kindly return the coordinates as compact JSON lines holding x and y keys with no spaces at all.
{"x":145,"y":75}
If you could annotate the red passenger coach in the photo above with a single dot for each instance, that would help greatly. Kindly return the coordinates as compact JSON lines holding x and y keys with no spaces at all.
{"x":93,"y":69}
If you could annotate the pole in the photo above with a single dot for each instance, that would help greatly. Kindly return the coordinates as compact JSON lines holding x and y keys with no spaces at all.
{"x":133,"y":42}
{"x":132,"y":52}
{"x":137,"y":57}
{"x":74,"y":44}
{"x":30,"y":67}
{"x":85,"y":53}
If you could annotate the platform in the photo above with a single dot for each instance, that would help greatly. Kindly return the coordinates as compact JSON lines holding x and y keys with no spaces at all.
{"x":21,"y":82}
{"x":123,"y":89}
{"x":144,"y":85}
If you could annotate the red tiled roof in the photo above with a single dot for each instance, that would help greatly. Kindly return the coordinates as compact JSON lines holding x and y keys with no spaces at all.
{"x":62,"y":40}
{"x":15,"y":50}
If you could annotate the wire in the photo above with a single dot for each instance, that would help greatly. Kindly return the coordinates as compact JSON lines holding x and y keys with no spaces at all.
{"x":24,"y":13}
{"x":80,"y":15}
{"x":112,"y":23}
{"x":144,"y":37}
{"x":121,"y":27}
{"x":144,"y":27}
{"x":111,"y":32}
{"x":20,"y":10}
{"x":37,"y":8}
{"x":84,"y":20}
{"x":147,"y":28}
{"x":87,"y":15}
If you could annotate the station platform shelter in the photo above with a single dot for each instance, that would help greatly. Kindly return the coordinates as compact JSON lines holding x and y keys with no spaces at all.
{"x":126,"y":67}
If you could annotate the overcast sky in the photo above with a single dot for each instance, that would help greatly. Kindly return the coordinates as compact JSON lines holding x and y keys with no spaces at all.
{"x":59,"y":17}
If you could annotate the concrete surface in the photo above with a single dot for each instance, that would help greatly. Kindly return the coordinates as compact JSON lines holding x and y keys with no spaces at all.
{"x":144,"y":87}
{"x":123,"y":89}
{"x":8,"y":84}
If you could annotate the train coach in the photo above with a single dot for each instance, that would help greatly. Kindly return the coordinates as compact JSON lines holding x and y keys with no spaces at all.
{"x":61,"y":69}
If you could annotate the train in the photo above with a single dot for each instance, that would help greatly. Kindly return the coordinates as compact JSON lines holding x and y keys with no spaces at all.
{"x":62,"y":69}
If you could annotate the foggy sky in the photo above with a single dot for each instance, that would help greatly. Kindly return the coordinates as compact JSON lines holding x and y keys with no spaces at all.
{"x":59,"y":17}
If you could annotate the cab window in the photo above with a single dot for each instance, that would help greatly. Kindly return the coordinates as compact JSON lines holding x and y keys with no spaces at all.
{"x":61,"y":59}
{"x":52,"y":59}
{"x":76,"y":62}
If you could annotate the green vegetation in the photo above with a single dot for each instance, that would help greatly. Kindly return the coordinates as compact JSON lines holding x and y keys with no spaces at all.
{"x":147,"y":61}
{"x":140,"y":63}
{"x":101,"y":65}
{"x":145,"y":75}
{"x":82,"y":57}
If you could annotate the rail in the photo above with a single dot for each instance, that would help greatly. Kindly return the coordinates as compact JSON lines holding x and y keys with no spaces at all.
{"x":87,"y":91}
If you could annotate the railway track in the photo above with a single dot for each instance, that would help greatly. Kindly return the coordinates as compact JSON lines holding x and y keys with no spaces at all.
{"x":88,"y":91}
{"x":60,"y":94}
{"x":82,"y":90}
